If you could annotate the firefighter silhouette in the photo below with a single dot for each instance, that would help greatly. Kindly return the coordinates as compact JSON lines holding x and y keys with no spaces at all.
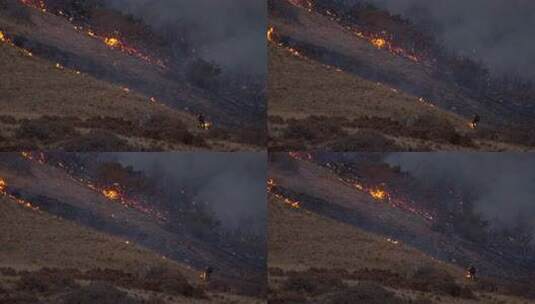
{"x":202,"y":121}
{"x":471,"y":273}
{"x":476,"y":121}
{"x":205,"y":275}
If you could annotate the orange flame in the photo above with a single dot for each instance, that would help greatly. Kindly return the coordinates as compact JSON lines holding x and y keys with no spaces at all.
{"x":111,"y":194}
{"x":3,"y":37}
{"x":378,"y":194}
{"x":112,"y":42}
{"x":205,"y":125}
{"x":3,"y":186}
{"x":378,"y":42}
{"x":288,"y":201}
{"x":270,"y":34}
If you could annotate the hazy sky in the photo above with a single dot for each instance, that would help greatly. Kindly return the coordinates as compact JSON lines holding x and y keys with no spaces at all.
{"x":232,"y":183}
{"x":505,"y":182}
{"x":498,"y":32}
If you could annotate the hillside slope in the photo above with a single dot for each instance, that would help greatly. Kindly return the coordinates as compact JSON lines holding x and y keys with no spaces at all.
{"x":362,"y":98}
{"x":91,"y":86}
{"x":321,"y":190}
{"x":314,"y":259}
{"x":55,"y":192}
{"x":68,"y":259}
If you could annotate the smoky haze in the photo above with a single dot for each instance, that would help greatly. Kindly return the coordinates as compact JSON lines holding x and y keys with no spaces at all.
{"x":504,"y":183}
{"x":497,"y":32}
{"x":228,"y":32}
{"x":233,"y":184}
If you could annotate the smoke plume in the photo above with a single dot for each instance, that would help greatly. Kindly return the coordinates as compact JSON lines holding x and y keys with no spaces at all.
{"x":228,"y":32}
{"x":504,"y":182}
{"x":233,"y":184}
{"x":497,"y":32}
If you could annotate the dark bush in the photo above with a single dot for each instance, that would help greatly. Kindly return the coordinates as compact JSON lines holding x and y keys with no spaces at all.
{"x":430,"y":279}
{"x":19,"y":298}
{"x":276,"y":271}
{"x":277,"y":120}
{"x":312,"y":284}
{"x":314,"y":129}
{"x":364,"y":293}
{"x":287,"y":298}
{"x":44,"y":282}
{"x":98,"y":292}
{"x":364,"y":141}
{"x":432,"y":128}
{"x":46,"y":129}
{"x":169,"y":129}
{"x":96,"y":141}
{"x":164,"y":280}
{"x":9,"y":120}
{"x":8,"y":272}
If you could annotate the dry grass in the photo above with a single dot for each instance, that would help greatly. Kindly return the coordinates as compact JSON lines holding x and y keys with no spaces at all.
{"x":33,"y":87}
{"x":340,"y":243}
{"x":300,"y":88}
{"x":28,"y":245}
{"x":305,"y":249}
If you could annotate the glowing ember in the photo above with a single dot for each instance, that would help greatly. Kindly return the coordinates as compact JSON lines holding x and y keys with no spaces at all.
{"x":111,"y":194}
{"x":378,"y":194}
{"x":36,"y":156}
{"x":112,"y":42}
{"x":378,"y":42}
{"x":205,"y":125}
{"x":300,"y":155}
{"x":288,"y":201}
{"x":38,"y":4}
{"x":359,"y":186}
{"x":270,"y":33}
{"x":3,"y":191}
{"x":392,"y":241}
{"x":3,"y":186}
{"x":272,"y":37}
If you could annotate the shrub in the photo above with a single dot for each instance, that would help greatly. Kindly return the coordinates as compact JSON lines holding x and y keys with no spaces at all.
{"x":364,"y":293}
{"x":46,"y":129}
{"x":434,"y":280}
{"x":314,"y":129}
{"x":8,"y":272}
{"x":365,"y":141}
{"x":98,"y":292}
{"x":44,"y":282}
{"x":312,"y":284}
{"x":165,"y":280}
{"x":96,"y":141}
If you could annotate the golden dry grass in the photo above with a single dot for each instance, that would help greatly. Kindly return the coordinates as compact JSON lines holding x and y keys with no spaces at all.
{"x":33,"y":239}
{"x":32,"y":87}
{"x":300,"y":87}
{"x":300,"y":240}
